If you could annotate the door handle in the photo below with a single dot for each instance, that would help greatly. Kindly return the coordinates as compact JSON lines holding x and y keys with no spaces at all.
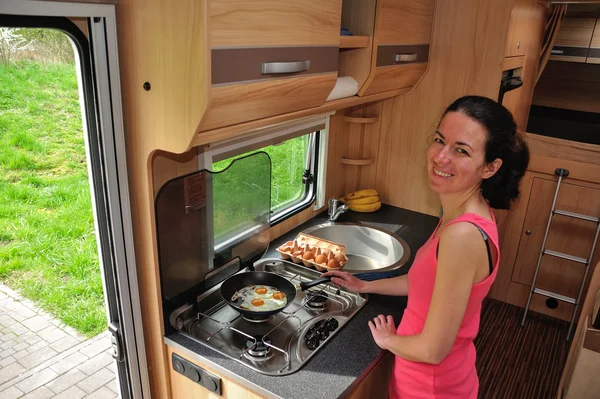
{"x":557,"y":52}
{"x":268,"y":68}
{"x":405,"y":57}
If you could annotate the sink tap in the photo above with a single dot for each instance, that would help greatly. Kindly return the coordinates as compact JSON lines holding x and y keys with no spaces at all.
{"x":334,"y":210}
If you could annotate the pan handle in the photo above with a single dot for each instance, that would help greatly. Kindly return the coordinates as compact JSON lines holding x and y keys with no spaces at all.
{"x":308,"y":284}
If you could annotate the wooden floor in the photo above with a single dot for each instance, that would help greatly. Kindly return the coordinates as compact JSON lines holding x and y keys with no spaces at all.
{"x":519,"y":362}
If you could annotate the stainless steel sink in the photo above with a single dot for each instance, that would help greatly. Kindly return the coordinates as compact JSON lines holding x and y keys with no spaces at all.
{"x":369,"y":249}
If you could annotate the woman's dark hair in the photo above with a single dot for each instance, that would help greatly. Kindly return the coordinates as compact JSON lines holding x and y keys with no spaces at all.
{"x":503,"y":143}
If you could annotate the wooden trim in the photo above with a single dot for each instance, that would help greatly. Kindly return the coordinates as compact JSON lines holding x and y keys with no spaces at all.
{"x":592,"y":337}
{"x":228,"y":132}
{"x":563,"y":149}
{"x":359,"y":119}
{"x":578,"y":170}
{"x":513,"y":62}
{"x":355,"y":41}
{"x":357,"y":162}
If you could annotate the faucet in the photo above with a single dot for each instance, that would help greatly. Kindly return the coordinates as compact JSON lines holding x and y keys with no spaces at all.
{"x":334,"y":210}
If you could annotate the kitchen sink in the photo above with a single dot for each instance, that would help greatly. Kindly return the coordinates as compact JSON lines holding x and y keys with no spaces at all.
{"x":368,"y":249}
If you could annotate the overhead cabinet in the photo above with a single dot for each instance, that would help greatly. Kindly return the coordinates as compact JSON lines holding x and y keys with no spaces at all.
{"x":573,"y":41}
{"x":270,"y":57}
{"x":402,"y":34}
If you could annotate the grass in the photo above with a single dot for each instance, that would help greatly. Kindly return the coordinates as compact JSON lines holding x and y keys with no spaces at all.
{"x":47,"y":244}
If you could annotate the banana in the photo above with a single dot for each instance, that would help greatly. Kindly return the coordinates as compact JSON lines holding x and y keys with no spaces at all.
{"x":363,"y":201}
{"x":366,"y":207}
{"x":360,"y":194}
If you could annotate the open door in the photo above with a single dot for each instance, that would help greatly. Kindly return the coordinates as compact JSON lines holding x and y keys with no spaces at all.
{"x":99,"y":86}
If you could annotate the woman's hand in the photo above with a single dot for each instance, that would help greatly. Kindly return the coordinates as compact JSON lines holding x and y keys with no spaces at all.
{"x":347,"y":281}
{"x":382,"y":328}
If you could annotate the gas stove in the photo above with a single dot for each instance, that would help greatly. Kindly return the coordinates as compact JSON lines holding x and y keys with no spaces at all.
{"x":282,"y":344}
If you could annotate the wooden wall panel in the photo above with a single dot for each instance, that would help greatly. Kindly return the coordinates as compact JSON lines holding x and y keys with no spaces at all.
{"x":465,"y":58}
{"x":408,"y":21}
{"x":534,"y":21}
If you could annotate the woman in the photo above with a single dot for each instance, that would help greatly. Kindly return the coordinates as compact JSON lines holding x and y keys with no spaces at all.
{"x":474,"y":162}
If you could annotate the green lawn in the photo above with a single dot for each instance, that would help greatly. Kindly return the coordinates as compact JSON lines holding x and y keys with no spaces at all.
{"x":47,"y":242}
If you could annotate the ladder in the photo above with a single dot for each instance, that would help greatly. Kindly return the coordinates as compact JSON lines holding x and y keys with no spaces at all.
{"x":575,"y":301}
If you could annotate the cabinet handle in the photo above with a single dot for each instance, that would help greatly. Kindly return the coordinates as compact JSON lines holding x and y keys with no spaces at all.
{"x":405,"y":57}
{"x":528,"y":232}
{"x":284,"y":67}
{"x":557,"y":52}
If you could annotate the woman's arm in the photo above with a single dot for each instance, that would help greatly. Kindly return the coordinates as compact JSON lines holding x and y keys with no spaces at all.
{"x":461,"y":253}
{"x":397,"y":286}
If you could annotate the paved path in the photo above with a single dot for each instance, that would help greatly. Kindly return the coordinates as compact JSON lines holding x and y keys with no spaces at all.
{"x":42,"y":358}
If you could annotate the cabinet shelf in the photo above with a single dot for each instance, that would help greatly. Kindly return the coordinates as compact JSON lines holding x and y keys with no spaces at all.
{"x":354,"y":41}
{"x":361,"y":119}
{"x":357,"y":162}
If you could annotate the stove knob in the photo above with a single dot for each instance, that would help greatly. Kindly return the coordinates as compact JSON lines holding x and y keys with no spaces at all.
{"x":178,"y":366}
{"x":322,"y":334}
{"x":193,"y":375}
{"x":332,"y":324}
{"x":312,"y":343}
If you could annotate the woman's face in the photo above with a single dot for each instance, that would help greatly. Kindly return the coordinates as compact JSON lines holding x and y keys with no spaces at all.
{"x":456,"y":157}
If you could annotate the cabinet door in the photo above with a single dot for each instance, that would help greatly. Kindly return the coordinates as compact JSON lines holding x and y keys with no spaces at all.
{"x":517,"y":28}
{"x":573,"y":39}
{"x":566,"y":235}
{"x":401,"y":44}
{"x":594,"y":51}
{"x":270,"y":57}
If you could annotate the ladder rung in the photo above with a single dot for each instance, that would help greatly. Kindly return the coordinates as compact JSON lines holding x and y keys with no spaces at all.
{"x":566,"y":256}
{"x":577,"y":216}
{"x":555,"y":295}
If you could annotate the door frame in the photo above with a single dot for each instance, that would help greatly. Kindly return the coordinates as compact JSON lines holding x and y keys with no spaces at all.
{"x":116,"y":247}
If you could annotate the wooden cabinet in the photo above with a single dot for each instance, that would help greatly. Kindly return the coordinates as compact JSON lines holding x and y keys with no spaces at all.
{"x":522,"y":229}
{"x":594,"y":51}
{"x":573,"y":41}
{"x":402,"y":35}
{"x":517,"y":30}
{"x":566,"y":235}
{"x":270,"y":57}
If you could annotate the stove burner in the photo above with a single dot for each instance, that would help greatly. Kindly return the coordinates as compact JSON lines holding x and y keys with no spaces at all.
{"x":259,"y":349}
{"x":317,"y":300}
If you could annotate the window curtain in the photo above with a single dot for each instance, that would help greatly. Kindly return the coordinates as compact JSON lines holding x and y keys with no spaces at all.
{"x":557,"y":13}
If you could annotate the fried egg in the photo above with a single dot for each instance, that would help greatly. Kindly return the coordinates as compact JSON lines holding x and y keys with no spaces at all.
{"x":260,"y":298}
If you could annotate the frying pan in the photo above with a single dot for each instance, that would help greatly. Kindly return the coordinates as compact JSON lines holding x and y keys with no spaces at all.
{"x":241,"y":280}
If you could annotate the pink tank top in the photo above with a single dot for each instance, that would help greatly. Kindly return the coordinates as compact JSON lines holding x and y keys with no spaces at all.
{"x":455,"y":377}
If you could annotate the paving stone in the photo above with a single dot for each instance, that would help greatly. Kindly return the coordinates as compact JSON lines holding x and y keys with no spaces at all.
{"x":7,"y":321}
{"x":96,"y":380}
{"x":31,"y":338}
{"x":7,"y":336}
{"x":21,"y":354}
{"x":11,"y":371}
{"x":20,"y":329}
{"x":71,"y":393}
{"x":112,"y":385}
{"x":96,"y":347}
{"x":36,"y":323}
{"x":64,"y":343}
{"x":4,"y":353}
{"x":6,"y":361}
{"x":36,"y":380}
{"x":21,"y":314}
{"x":8,"y":344}
{"x":40,"y":393}
{"x":38,"y":346}
{"x":10,"y":393}
{"x":51,"y":334}
{"x":96,"y":363}
{"x":39,"y":357}
{"x":20,"y":346}
{"x":102,"y":393}
{"x":69,"y":362}
{"x":65,"y":381}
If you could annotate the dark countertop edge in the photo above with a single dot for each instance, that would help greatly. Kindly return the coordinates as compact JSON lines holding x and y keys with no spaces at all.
{"x":414,"y":227}
{"x":220,"y":369}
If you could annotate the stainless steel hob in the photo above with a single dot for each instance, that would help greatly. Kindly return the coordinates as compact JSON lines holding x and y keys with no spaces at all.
{"x":282,"y":344}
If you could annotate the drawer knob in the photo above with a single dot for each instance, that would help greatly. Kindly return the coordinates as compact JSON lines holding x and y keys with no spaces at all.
{"x":284,"y":67}
{"x":528,"y":232}
{"x":405,"y":57}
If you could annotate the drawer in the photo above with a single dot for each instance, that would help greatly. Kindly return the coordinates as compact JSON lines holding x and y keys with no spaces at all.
{"x":570,"y":54}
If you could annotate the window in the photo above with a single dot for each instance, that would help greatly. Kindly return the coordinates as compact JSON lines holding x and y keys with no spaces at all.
{"x":297,"y":151}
